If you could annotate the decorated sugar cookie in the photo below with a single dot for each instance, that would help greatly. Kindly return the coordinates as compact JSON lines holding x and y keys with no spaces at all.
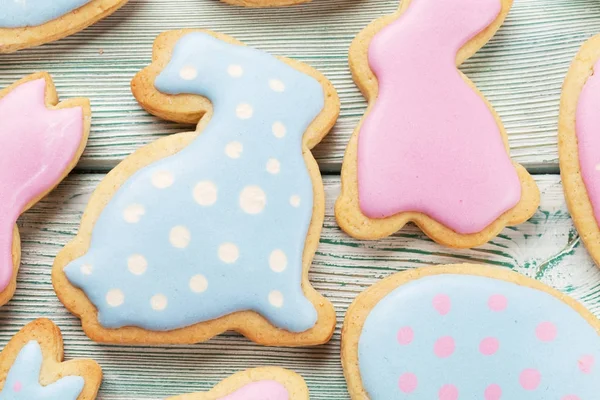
{"x":31,"y":367}
{"x":267,"y":383}
{"x":430,"y":148}
{"x":41,"y":140}
{"x":28,"y":23}
{"x":469,"y":332}
{"x":579,"y":144}
{"x":212,"y":230}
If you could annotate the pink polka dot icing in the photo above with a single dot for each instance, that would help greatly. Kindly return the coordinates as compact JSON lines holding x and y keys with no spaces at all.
{"x":586,"y":363}
{"x":448,"y":392}
{"x":405,"y":335}
{"x":489,"y":346}
{"x":442,"y":304}
{"x":570,"y":397}
{"x":530,"y":379}
{"x":408,"y":382}
{"x":546,"y":331}
{"x":17,"y":386}
{"x":493,"y":392}
{"x":497,"y":302}
{"x":444,"y":347}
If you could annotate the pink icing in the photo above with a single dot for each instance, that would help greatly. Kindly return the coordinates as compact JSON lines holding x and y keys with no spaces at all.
{"x":408,"y":382}
{"x":587,"y":126}
{"x":546,"y":331}
{"x":261,"y":390}
{"x":36,"y":146}
{"x":530,"y":379}
{"x":586,"y":363}
{"x":430,"y":144}
{"x":442,"y":303}
{"x":489,"y":346}
{"x":493,"y":392}
{"x":444,"y":347}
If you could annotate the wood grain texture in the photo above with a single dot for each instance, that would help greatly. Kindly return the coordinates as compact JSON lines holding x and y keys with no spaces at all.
{"x":546,"y":248}
{"x":520,"y":71}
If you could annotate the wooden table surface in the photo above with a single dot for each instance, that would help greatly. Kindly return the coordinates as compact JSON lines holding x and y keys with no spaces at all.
{"x":520,"y":71}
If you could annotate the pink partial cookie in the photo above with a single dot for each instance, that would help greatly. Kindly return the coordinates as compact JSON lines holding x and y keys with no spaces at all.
{"x":266,"y":383}
{"x":41,"y":140}
{"x":579,"y":144}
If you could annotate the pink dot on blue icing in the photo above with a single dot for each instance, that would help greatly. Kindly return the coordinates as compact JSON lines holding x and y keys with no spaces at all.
{"x":405,"y":335}
{"x":408,"y":382}
{"x":493,"y":392}
{"x":448,"y":392}
{"x":586,"y":363}
{"x":497,"y":302}
{"x":444,"y":347}
{"x":546,"y":331}
{"x":530,"y":379}
{"x":17,"y":386}
{"x":442,"y":304}
{"x":489,"y":346}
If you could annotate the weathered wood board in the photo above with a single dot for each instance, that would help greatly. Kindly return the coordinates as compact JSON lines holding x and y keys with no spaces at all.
{"x":547,"y":248}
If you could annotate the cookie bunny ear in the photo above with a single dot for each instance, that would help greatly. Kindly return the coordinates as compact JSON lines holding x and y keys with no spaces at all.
{"x":32,"y":369}
{"x":175,"y":86}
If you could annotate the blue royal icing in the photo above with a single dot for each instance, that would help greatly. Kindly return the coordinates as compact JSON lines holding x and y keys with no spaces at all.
{"x":220,"y":226}
{"x":452,"y":337}
{"x":22,"y":381}
{"x":24,"y":13}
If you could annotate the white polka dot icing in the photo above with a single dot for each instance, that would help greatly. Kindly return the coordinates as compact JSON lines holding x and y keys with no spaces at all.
{"x":451,"y":337}
{"x":214,"y":212}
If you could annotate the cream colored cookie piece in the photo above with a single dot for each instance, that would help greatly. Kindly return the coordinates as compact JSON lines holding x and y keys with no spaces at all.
{"x":197,"y":109}
{"x":13,"y":39}
{"x":347,"y":209}
{"x":53,"y":369}
{"x":439,"y":326}
{"x":52,"y":103}
{"x":576,"y":193}
{"x":289,"y":381}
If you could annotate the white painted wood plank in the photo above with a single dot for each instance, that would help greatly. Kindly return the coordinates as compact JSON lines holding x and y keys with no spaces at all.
{"x":520,"y":71}
{"x":547,"y":248}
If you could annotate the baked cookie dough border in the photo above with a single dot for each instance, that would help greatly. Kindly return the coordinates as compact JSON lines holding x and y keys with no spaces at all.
{"x":293,"y":382}
{"x":576,"y":193}
{"x":347,"y":209}
{"x":173,"y":107}
{"x":364,"y":303}
{"x":52,"y":103}
{"x":13,"y":39}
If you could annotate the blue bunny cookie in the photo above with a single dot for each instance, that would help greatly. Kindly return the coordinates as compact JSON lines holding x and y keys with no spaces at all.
{"x":469,"y":332}
{"x":28,"y":23}
{"x":31,"y":367}
{"x":212,"y":230}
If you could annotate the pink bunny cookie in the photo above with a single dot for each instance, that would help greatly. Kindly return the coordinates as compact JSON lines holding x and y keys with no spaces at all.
{"x":40,"y":142}
{"x":266,"y":383}
{"x":579,"y":144}
{"x":430,"y":148}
